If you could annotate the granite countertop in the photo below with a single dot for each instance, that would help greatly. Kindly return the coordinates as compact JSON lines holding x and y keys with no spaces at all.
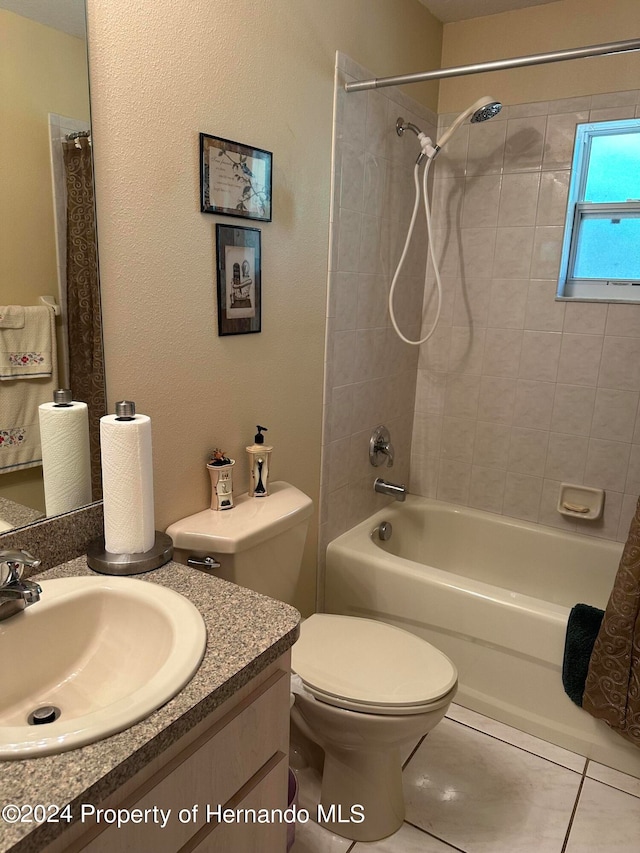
{"x":16,"y":514}
{"x":245,"y":633}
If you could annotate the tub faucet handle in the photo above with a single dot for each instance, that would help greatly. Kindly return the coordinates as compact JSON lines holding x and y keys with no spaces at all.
{"x":380,"y":447}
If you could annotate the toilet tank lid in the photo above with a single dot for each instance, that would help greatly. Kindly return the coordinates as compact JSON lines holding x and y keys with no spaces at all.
{"x":250,"y":522}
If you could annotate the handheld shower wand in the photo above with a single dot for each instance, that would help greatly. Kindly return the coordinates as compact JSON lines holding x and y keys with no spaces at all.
{"x":482,"y":110}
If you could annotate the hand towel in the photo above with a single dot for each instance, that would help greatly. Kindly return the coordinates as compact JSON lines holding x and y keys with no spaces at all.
{"x":19,"y":416}
{"x":582,"y":629}
{"x":28,"y":352}
{"x":12,"y":317}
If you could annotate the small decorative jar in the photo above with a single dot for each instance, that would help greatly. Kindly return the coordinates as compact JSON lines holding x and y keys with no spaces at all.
{"x":220,"y":469}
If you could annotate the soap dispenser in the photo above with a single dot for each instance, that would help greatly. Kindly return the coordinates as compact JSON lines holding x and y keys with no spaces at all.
{"x":259,"y":459}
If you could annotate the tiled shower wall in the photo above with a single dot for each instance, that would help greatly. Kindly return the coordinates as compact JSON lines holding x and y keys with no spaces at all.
{"x":370,"y":375}
{"x":518,"y":392}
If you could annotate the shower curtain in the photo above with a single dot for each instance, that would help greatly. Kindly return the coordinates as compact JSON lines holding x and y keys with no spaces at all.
{"x":612,"y":690}
{"x":86,"y":360}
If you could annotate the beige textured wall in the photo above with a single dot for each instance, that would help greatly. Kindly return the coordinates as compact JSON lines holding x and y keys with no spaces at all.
{"x":43,"y":71}
{"x":542,"y":29}
{"x":261,"y":73}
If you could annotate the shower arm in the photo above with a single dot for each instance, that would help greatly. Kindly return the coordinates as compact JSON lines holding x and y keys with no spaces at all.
{"x":497,"y":65}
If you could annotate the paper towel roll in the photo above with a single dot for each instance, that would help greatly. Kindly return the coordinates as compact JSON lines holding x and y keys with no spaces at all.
{"x":127,"y":484}
{"x":66,"y":462}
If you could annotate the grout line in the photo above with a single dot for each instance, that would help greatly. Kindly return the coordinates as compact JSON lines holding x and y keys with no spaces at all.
{"x":522,"y":748}
{"x":414,"y":750}
{"x":611,"y":785}
{"x":574,"y":810}
{"x":437,"y":837}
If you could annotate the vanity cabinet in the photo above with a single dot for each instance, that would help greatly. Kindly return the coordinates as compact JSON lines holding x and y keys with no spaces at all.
{"x":236,"y":758}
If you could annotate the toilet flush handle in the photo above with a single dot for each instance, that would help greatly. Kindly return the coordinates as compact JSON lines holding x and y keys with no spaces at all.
{"x":205,"y":563}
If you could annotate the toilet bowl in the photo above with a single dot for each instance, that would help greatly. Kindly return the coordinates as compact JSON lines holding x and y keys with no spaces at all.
{"x":367,"y":687}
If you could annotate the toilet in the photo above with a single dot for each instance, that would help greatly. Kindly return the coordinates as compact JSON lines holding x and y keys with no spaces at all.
{"x":363,"y":688}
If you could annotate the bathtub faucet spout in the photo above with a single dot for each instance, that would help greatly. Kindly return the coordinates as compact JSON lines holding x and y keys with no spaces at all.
{"x":385,"y":488}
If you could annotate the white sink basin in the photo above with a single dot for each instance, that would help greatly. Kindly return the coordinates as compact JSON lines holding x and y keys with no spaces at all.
{"x":106,"y":651}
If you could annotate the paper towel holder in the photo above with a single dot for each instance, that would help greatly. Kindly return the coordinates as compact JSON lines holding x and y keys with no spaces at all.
{"x":106,"y":563}
{"x":129,"y":563}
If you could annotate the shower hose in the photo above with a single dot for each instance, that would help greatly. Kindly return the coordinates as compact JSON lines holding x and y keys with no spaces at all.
{"x":427,"y":214}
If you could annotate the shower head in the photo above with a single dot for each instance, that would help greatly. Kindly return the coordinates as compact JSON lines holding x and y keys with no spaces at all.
{"x":482,"y":110}
{"x":487,"y":111}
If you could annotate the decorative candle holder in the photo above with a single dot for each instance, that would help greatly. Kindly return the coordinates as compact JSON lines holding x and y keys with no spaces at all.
{"x":220,"y":470}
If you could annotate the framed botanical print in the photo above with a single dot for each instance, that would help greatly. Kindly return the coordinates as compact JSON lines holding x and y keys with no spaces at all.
{"x":235,"y":179}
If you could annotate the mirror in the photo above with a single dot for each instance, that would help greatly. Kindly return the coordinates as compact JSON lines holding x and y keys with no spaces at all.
{"x":47,"y":240}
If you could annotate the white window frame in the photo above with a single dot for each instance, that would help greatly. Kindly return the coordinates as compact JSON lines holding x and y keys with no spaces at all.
{"x":578,"y":210}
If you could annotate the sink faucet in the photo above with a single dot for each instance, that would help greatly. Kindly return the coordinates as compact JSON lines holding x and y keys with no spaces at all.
{"x":383,"y":487}
{"x":15,"y":593}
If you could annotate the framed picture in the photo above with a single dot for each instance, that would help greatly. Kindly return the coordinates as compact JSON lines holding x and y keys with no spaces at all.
{"x":239,"y":280}
{"x":235,"y":179}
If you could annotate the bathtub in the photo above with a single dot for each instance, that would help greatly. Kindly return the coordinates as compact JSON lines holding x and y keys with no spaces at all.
{"x":492,"y":593}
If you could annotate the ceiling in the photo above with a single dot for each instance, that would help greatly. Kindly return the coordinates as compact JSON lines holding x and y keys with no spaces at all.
{"x":67,"y":16}
{"x":459,"y":10}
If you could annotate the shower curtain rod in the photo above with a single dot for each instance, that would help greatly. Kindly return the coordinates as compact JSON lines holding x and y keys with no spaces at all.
{"x":497,"y":65}
{"x":78,"y":134}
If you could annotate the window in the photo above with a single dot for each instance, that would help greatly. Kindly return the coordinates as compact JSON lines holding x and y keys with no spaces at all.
{"x":601,"y":248}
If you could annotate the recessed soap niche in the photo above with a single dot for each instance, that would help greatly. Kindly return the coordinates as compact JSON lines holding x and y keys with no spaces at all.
{"x":581,"y":502}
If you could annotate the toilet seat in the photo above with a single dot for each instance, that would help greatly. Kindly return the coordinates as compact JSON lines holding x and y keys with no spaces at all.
{"x":386,"y":671}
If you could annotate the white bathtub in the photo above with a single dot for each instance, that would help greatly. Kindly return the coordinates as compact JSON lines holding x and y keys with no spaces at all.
{"x":494,"y":594}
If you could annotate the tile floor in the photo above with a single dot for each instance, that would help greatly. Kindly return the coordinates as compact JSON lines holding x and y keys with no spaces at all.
{"x":478,"y":786}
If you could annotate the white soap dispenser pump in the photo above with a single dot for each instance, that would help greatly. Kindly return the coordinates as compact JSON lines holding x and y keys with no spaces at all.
{"x":259,"y":463}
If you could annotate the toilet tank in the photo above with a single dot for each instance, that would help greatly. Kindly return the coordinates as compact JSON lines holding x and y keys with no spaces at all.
{"x":258,"y":543}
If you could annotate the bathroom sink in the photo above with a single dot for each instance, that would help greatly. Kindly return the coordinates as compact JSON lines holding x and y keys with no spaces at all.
{"x":103,"y":651}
